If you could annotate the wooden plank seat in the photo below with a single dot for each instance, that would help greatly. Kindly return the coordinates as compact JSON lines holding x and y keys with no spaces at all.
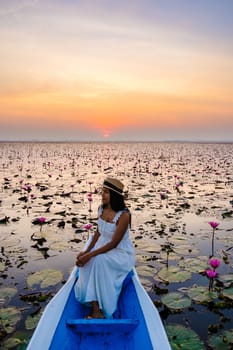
{"x":98,"y":325}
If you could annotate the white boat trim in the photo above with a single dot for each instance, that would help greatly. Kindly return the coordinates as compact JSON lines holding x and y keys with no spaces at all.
{"x":152,"y":317}
{"x":51,"y":316}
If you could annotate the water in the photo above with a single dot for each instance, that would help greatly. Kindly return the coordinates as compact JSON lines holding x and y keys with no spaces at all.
{"x":173,"y":191}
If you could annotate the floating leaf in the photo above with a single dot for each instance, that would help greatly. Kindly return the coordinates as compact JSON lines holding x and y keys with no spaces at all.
{"x":186,"y":250}
{"x":179,"y":240}
{"x":146,"y":271}
{"x":152,"y":247}
{"x":223,"y":341}
{"x":18,"y":339}
{"x":228,"y":293}
{"x":182,"y":338}
{"x":172,"y":256}
{"x":201,"y":294}
{"x":194,"y":264}
{"x":9,"y":317}
{"x":176,"y":301}
{"x":9,"y":243}
{"x":227,"y":279}
{"x":2,"y":266}
{"x":6,"y":294}
{"x":45,"y":278}
{"x":11,"y":343}
{"x":59,"y":246}
{"x":31,"y":321}
{"x":174,"y":274}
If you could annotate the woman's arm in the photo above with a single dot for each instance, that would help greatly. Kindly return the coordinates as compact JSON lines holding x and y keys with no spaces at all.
{"x":121,"y":228}
{"x":90,"y":246}
{"x":93,"y":241}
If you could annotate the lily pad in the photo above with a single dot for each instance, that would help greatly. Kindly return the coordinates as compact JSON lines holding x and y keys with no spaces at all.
{"x":45,"y":278}
{"x":6,"y":294}
{"x":146,"y":271}
{"x":179,"y":240}
{"x":195,"y":265}
{"x":59,"y":246}
{"x":9,"y":317}
{"x":174,"y":274}
{"x":176,"y":301}
{"x":152,"y":247}
{"x":31,"y":321}
{"x":201,"y":294}
{"x":227,"y":279}
{"x":172,"y":256}
{"x":2,"y":266}
{"x":18,"y":340}
{"x":11,"y":343}
{"x":15,"y":251}
{"x":228,"y":293}
{"x":182,"y":338}
{"x":186,"y":250}
{"x":223,"y":341}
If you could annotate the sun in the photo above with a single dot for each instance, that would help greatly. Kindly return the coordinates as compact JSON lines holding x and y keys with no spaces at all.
{"x":106,"y":134}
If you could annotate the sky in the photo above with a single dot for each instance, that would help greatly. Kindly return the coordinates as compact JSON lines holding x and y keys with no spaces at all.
{"x":125,"y":70}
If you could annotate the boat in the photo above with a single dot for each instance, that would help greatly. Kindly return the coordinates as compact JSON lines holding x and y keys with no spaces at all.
{"x":136,"y":324}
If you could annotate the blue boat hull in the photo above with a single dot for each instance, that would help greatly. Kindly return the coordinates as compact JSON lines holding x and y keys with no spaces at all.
{"x":136,"y":324}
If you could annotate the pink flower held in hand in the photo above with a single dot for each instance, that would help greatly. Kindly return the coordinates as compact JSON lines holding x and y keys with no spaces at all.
{"x":211,"y":273}
{"x":87,"y":226}
{"x":214,"y":263}
{"x":213,"y":224}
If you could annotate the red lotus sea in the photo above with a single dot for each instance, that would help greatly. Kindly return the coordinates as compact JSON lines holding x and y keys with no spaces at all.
{"x":181,"y":199}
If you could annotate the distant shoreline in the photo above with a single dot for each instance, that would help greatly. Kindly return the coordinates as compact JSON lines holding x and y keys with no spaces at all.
{"x":115,"y":141}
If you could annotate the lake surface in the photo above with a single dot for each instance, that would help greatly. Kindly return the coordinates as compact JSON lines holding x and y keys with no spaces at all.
{"x":173,"y":191}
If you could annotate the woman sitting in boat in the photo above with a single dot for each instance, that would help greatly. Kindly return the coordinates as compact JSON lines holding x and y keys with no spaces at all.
{"x":110,"y":255}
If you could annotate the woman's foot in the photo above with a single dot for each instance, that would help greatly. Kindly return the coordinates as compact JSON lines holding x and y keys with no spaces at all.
{"x":96,"y":314}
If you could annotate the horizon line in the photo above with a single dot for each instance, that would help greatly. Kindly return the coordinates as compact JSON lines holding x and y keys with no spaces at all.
{"x":115,"y":141}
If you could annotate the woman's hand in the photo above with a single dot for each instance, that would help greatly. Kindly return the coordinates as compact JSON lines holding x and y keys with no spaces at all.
{"x":78,"y":257}
{"x":83,"y":258}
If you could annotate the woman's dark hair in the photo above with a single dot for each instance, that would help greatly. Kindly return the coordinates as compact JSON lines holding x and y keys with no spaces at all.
{"x":117,"y":203}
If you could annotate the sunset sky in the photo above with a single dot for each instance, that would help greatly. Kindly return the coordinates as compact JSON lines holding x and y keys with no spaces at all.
{"x":151,"y":70}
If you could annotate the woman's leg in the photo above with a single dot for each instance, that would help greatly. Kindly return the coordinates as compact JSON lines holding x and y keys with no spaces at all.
{"x":96,"y":311}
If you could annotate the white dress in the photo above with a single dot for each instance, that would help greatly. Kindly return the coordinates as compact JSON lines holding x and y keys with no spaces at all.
{"x":102,"y":277}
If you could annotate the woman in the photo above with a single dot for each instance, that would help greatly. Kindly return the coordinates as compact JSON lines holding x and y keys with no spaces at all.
{"x":110,"y":255}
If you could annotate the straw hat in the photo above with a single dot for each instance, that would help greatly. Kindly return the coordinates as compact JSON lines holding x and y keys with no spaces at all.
{"x":114,"y":185}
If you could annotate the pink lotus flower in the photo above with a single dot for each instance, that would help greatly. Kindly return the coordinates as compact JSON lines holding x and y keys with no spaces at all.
{"x":211,"y":273}
{"x":87,"y":226}
{"x":41,"y":220}
{"x":214,"y":263}
{"x":89,"y":197}
{"x":213,"y":224}
{"x":27,"y":188}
